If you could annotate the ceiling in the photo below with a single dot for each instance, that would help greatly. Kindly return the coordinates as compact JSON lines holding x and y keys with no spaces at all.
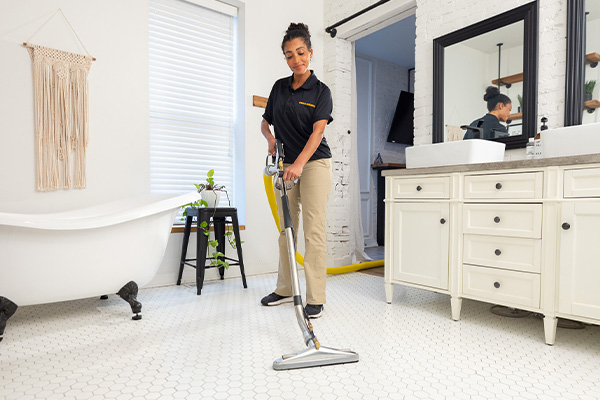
{"x":394,"y":43}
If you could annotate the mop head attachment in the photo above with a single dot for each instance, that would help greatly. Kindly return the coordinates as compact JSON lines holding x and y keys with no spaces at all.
{"x":315,"y":356}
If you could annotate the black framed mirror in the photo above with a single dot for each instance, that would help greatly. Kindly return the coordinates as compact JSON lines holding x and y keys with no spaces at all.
{"x":583,"y":56}
{"x":506,"y":44}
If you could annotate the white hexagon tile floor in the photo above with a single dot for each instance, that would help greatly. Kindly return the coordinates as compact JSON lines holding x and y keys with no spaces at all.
{"x":221,"y":345}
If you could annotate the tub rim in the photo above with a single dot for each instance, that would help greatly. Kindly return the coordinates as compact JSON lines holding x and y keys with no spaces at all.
{"x":104,"y":215}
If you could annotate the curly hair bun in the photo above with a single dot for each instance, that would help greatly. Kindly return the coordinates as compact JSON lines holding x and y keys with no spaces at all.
{"x":491,"y":92}
{"x":298,"y":27}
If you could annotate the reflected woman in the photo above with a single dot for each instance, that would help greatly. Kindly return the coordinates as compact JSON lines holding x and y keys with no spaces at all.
{"x":499,"y":107}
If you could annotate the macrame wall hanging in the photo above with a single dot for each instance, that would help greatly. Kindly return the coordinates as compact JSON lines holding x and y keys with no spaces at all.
{"x":61,"y":113}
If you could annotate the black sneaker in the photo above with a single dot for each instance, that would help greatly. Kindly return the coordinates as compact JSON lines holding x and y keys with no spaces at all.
{"x":274,"y":300}
{"x":314,"y":310}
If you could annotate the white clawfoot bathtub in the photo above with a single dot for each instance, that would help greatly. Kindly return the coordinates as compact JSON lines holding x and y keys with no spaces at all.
{"x":92,"y":251}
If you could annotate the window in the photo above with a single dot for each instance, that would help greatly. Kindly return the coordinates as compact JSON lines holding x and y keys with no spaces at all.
{"x":192,"y":52}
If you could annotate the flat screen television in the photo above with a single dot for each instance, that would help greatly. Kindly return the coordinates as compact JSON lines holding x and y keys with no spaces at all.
{"x":402,"y":129}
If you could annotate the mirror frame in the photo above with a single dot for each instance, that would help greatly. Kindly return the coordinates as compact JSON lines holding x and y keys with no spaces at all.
{"x":527,"y":13}
{"x":575,"y":74}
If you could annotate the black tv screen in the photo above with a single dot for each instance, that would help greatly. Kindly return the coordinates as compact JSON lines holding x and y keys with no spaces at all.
{"x":402,"y":129}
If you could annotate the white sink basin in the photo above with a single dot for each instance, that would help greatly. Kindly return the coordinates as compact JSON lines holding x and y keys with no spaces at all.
{"x":571,"y":140}
{"x":471,"y":151}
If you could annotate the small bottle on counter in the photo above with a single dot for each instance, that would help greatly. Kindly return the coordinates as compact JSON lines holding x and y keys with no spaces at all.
{"x":537,"y":142}
{"x":530,"y":150}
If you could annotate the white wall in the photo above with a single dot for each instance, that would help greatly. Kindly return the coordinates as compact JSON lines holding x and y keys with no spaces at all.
{"x":463,"y":98}
{"x":116,"y":33}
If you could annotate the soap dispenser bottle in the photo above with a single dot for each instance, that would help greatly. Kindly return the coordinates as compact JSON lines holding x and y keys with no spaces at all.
{"x":537,"y":142}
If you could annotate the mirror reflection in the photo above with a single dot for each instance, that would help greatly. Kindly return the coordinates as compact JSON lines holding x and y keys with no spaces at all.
{"x":591,"y":89}
{"x":483,"y":85}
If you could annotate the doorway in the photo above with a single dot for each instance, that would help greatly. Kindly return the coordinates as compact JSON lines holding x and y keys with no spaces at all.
{"x":385,"y":65}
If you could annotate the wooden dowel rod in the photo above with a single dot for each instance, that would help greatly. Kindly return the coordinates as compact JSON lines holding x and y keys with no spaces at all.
{"x":25,"y":44}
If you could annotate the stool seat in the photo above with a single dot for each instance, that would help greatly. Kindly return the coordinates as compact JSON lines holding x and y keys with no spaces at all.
{"x":218,"y":217}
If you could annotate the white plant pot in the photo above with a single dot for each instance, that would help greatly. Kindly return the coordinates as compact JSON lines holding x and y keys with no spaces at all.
{"x":212,"y":197}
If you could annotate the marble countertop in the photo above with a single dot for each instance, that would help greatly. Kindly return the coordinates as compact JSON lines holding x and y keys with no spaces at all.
{"x":542,"y":162}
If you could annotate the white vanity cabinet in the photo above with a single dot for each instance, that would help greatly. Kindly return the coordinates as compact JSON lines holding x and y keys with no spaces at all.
{"x":579,"y":264}
{"x":417,"y":233}
{"x":523,"y":234}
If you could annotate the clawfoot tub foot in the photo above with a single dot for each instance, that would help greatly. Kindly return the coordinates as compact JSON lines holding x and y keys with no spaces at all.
{"x":7,"y":309}
{"x":129,"y":293}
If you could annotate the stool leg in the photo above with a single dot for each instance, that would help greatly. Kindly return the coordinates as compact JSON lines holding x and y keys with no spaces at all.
{"x":219,"y":224}
{"x":238,"y":245}
{"x":201,"y":246}
{"x":186,"y":239}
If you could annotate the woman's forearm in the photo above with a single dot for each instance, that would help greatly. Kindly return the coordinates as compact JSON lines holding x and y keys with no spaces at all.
{"x":265,"y":128}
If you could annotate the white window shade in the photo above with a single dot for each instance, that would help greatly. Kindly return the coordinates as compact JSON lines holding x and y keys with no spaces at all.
{"x":192,"y":96}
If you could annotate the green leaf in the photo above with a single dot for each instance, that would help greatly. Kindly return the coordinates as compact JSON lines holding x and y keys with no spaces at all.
{"x":210,"y":173}
{"x":213,"y":243}
{"x":203,"y":224}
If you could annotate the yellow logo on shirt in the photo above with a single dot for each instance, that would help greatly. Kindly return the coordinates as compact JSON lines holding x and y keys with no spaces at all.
{"x":306,"y":104}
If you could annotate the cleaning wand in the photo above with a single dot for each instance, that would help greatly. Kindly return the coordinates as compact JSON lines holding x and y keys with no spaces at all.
{"x":314,"y":355}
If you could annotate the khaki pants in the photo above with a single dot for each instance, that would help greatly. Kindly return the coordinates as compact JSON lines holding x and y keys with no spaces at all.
{"x":311,"y":192}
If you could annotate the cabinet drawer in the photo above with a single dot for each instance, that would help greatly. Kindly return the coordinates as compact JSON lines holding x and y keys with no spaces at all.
{"x":501,"y":286}
{"x":517,"y":254}
{"x":504,"y":186}
{"x":517,"y":220}
{"x":421,"y":188}
{"x":582,"y":182}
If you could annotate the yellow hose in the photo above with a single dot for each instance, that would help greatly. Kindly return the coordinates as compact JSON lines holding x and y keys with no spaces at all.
{"x":270,"y":191}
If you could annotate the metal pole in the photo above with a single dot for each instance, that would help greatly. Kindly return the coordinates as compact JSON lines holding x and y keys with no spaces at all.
{"x":499,"y":49}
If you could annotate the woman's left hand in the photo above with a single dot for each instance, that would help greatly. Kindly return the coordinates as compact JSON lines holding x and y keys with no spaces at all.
{"x":292,"y":172}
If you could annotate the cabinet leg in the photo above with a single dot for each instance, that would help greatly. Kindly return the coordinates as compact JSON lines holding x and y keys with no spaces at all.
{"x":550,"y":329}
{"x":389,"y":292}
{"x":456,"y":304}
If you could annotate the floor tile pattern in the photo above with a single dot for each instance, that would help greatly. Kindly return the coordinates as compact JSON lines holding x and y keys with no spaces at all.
{"x":221,"y":345}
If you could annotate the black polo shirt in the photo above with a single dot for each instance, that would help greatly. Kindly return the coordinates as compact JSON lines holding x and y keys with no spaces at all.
{"x":293,"y":113}
{"x":491,"y":127}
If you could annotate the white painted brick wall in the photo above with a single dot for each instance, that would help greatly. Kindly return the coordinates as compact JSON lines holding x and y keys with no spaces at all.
{"x":434,"y":18}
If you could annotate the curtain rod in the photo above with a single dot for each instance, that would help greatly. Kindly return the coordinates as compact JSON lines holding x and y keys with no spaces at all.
{"x":331,"y":29}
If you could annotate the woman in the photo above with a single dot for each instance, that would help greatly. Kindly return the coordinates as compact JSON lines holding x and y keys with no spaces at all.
{"x":499,"y":107}
{"x":299,"y":108}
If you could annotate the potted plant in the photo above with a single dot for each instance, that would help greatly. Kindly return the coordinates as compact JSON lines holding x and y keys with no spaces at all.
{"x":588,"y":89}
{"x":211,"y":193}
{"x":520,"y":98}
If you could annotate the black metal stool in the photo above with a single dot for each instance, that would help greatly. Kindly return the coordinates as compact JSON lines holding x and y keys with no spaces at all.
{"x":219,"y":217}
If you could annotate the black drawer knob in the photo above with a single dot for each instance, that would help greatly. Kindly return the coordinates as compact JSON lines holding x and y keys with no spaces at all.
{"x":442,"y":221}
{"x":419,"y":188}
{"x":497,"y":252}
{"x":496,"y":219}
{"x":498,"y":186}
{"x":566,"y":226}
{"x":496,"y":285}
